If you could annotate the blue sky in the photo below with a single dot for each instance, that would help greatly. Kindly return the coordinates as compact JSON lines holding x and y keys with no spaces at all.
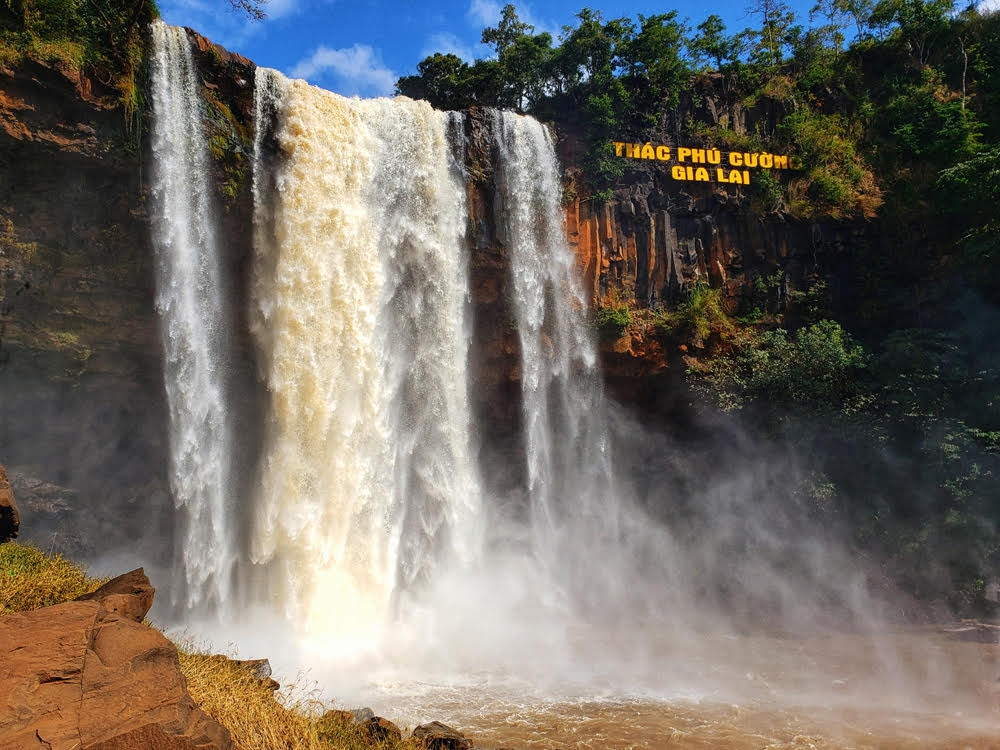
{"x":360,"y":48}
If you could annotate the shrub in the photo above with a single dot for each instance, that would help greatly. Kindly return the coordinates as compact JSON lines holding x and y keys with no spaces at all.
{"x":703,"y":313}
{"x":818,"y":369}
{"x":612,"y":321}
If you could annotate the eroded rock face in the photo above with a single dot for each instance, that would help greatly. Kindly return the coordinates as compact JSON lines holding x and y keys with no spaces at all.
{"x":10,"y":519}
{"x":88,"y":674}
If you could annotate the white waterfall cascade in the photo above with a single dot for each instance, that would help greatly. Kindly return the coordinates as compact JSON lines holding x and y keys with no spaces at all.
{"x":589,"y":536}
{"x":368,"y":480}
{"x":193,"y":319}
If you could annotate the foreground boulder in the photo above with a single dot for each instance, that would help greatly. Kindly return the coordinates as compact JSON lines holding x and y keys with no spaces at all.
{"x":10,"y":519}
{"x":438,"y":736}
{"x":376,"y":730}
{"x":89,"y":675}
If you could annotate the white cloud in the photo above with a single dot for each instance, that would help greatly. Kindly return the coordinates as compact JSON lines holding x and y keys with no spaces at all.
{"x":483,"y":13}
{"x":280,"y":8}
{"x":445,"y":42}
{"x":989,"y":6}
{"x":356,"y":70}
{"x":220,"y":23}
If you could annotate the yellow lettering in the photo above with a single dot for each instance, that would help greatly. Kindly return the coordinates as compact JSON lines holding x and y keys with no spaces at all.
{"x":780,"y":162}
{"x":618,"y":148}
{"x":720,"y":175}
{"x":698,"y":155}
{"x":735,"y":177}
{"x":690,"y":172}
{"x":735,"y":159}
{"x":749,"y":160}
{"x":701,"y":174}
{"x":714,"y":156}
{"x":746,"y":177}
{"x":766,"y":160}
{"x":647,"y":151}
{"x":663,"y":153}
{"x":677,"y":172}
{"x":683,"y":153}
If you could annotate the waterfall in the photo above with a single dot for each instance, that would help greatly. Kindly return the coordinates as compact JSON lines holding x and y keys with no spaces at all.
{"x":368,"y":480}
{"x":367,"y":507}
{"x":193,"y":319}
{"x":571,"y":489}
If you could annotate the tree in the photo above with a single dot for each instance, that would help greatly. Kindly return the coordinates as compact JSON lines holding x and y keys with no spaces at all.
{"x":523,"y":57}
{"x":655,"y":72}
{"x":252,"y":9}
{"x":775,"y":33}
{"x":713,"y":45}
{"x":920,"y":23}
{"x":973,"y":187}
{"x":505,"y":33}
{"x":441,"y":79}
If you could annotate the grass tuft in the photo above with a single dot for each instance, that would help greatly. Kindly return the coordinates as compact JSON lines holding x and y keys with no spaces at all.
{"x":258,"y":719}
{"x":30,"y":579}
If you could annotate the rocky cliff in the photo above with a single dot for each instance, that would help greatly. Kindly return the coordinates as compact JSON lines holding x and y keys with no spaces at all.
{"x":80,"y":359}
{"x":89,"y":674}
{"x":79,"y":369}
{"x":83,"y":406}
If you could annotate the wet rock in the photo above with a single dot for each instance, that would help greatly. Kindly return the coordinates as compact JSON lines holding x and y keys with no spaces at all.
{"x":376,"y":729}
{"x":381,"y":730}
{"x":973,"y":631}
{"x":10,"y":519}
{"x":361,"y":715}
{"x":82,"y":675}
{"x":438,"y":736}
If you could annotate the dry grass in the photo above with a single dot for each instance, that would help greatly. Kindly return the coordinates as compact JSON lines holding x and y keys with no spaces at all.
{"x":257,"y":720}
{"x":30,"y":579}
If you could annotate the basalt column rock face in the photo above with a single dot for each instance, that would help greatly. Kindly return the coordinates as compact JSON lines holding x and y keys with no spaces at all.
{"x":659,"y":238}
{"x":88,"y":674}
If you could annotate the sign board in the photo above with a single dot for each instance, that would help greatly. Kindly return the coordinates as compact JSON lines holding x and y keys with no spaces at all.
{"x":706,"y":164}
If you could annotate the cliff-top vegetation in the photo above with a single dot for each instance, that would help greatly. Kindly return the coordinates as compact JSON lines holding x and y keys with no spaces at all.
{"x":875,"y":98}
{"x":102,"y":38}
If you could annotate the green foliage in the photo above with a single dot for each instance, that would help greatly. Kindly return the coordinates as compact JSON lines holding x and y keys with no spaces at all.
{"x":612,"y":321}
{"x":770,"y":42}
{"x":104,"y":37}
{"x":10,"y":246}
{"x":972,"y":188}
{"x":703,"y":313}
{"x":929,"y":121}
{"x":711,"y":45}
{"x":834,"y":179}
{"x":30,"y":579}
{"x":819,"y":369}
{"x":919,"y":24}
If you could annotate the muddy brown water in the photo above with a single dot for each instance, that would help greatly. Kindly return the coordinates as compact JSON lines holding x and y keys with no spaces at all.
{"x":898,"y":691}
